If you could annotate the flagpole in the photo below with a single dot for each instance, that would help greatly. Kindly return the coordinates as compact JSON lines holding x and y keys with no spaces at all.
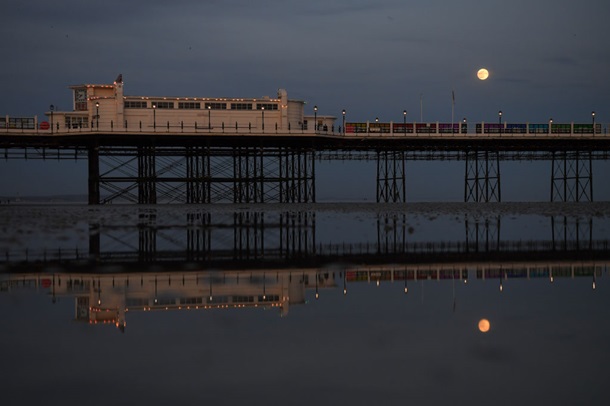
{"x":452,"y":108}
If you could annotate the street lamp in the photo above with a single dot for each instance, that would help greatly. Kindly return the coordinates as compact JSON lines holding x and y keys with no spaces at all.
{"x":52,"y":108}
{"x":263,"y":115}
{"x":315,"y":118}
{"x":154,"y":106}
{"x":97,"y":115}
{"x":404,"y":121}
{"x":343,"y":113}
{"x":500,"y":121}
{"x":464,"y":125}
{"x":209,"y":117}
{"x":551,"y":125}
{"x":593,"y":120}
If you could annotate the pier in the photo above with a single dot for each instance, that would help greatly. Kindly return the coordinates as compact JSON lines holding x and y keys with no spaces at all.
{"x":181,"y":164}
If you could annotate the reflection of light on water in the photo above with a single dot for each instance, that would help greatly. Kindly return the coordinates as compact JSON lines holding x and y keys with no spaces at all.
{"x":484,"y":325}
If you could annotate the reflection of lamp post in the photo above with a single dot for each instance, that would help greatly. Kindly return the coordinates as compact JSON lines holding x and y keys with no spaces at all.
{"x":593,"y":121}
{"x":156,"y":300}
{"x":500,"y":121}
{"x":52,"y":108}
{"x":317,"y":293}
{"x":263,"y":117}
{"x":211,"y":296}
{"x":404,"y":121}
{"x":343,"y":112}
{"x":97,"y":115}
{"x":154,"y":106}
{"x":209,"y":117}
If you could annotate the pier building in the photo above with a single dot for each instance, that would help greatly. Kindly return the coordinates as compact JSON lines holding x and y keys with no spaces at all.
{"x":106,"y":106}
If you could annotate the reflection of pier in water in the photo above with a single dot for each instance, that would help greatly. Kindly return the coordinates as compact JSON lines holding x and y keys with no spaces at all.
{"x":108,"y":298}
{"x":278,"y":240}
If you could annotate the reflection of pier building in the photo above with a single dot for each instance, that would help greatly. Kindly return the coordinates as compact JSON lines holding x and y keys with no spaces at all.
{"x":108,"y":298}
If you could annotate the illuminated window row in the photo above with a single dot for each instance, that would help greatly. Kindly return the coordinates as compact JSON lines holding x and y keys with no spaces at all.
{"x":191,"y":300}
{"x":267,"y":106}
{"x":76,"y":122}
{"x":164,"y":105}
{"x":241,"y":106}
{"x":140,"y":104}
{"x":135,"y":105}
{"x":189,"y":105}
{"x":216,"y":106}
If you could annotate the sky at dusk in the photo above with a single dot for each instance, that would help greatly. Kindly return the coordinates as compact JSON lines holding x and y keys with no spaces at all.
{"x":373,"y":58}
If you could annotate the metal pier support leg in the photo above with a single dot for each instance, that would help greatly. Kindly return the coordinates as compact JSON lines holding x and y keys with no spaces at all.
{"x":93,"y":159}
{"x":572,"y":234}
{"x":297,"y":235}
{"x":199,"y":236}
{"x":147,"y":179}
{"x":147,"y":233}
{"x":482,"y":179}
{"x":94,"y":242}
{"x":391,"y":233}
{"x":295,"y":175}
{"x":482,"y":235}
{"x":391,"y":179}
{"x":197,"y":161}
{"x":572,"y":177}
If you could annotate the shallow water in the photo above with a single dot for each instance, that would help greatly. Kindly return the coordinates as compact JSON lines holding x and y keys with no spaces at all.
{"x":302,"y":304}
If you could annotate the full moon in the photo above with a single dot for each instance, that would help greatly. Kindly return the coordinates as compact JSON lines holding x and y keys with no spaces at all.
{"x":483,"y":74}
{"x":484,"y":325}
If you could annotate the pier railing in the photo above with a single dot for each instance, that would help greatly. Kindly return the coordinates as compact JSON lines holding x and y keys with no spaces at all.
{"x":30,"y":126}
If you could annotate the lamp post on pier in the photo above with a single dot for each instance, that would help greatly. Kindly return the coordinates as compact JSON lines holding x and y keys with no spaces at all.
{"x":404,"y":122}
{"x":209,"y":117}
{"x":97,"y":115}
{"x":500,"y":121}
{"x":263,"y":117}
{"x":52,"y":108}
{"x":154,"y":106}
{"x":343,"y":113}
{"x":593,"y":121}
{"x":315,"y":118}
{"x":551,"y":125}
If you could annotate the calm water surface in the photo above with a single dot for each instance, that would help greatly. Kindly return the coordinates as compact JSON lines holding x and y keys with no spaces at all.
{"x":321,"y":304}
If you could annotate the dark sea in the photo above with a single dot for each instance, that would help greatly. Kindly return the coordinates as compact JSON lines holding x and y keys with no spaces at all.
{"x":300,"y":304}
